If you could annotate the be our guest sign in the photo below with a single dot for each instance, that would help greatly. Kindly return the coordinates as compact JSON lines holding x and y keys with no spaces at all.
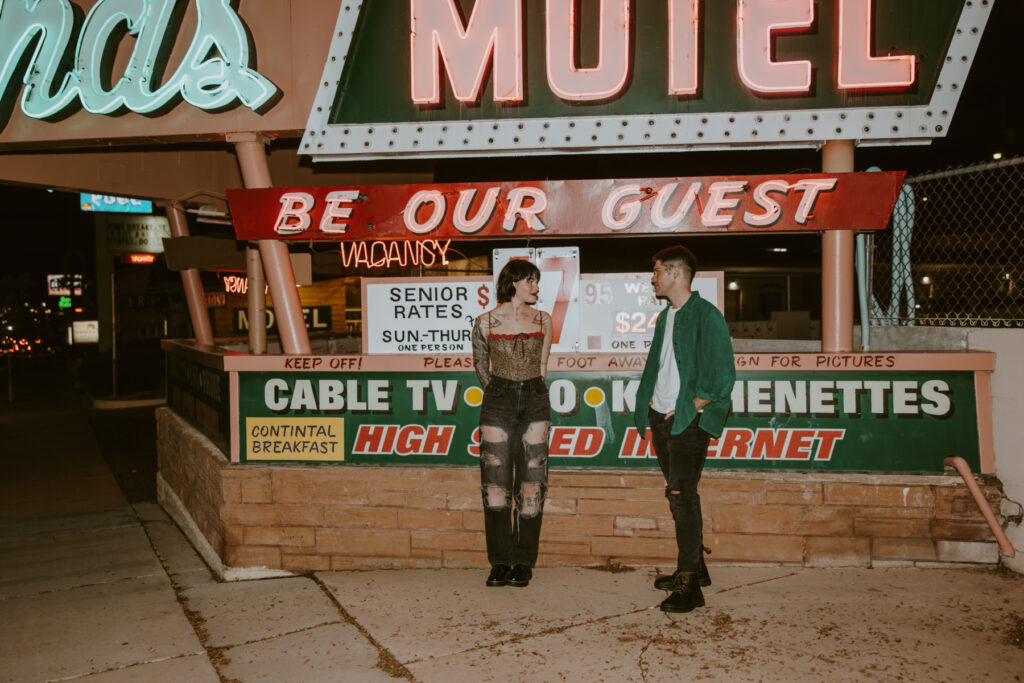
{"x":454,"y":211}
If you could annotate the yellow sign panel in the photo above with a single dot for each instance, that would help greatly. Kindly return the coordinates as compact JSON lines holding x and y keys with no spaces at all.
{"x":295,"y":438}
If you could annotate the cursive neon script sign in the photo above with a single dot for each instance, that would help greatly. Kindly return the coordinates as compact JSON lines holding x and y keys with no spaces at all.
{"x":385,"y":254}
{"x":214,"y":72}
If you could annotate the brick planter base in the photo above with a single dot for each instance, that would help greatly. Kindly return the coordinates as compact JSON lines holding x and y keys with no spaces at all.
{"x":309,"y":517}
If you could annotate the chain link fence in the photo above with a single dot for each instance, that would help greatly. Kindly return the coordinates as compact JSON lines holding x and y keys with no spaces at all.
{"x":954,"y":252}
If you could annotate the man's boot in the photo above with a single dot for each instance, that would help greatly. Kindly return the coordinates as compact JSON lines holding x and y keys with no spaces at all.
{"x":686,"y":595}
{"x":665,"y":582}
{"x":702,"y":573}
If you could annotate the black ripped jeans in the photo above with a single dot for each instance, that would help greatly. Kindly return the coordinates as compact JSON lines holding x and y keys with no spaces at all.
{"x":515,"y":419}
{"x":682,"y":457}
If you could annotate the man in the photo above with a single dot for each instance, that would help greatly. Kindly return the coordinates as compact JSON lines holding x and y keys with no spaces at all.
{"x":684,"y":397}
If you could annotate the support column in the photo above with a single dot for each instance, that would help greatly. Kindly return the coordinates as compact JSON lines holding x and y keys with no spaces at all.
{"x":252,"y":158}
{"x":837,"y":256}
{"x":191,"y":283}
{"x":256,"y":287}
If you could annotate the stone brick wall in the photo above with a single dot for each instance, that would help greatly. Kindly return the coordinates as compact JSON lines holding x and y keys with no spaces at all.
{"x":305,"y":517}
{"x":192,"y":466}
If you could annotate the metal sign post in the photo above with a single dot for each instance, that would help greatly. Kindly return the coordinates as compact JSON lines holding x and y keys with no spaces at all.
{"x":113,"y":336}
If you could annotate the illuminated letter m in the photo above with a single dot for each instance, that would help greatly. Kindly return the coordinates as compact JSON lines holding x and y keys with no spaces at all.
{"x":494,"y":33}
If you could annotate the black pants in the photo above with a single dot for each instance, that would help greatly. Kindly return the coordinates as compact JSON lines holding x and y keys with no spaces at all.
{"x":515,"y":419}
{"x":682,"y":457}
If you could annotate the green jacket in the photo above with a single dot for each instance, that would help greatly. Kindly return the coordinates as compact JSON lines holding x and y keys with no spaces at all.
{"x":703,"y":352}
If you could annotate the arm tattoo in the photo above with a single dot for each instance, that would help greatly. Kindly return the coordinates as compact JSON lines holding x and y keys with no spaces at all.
{"x":548,"y":328}
{"x":481,"y":355}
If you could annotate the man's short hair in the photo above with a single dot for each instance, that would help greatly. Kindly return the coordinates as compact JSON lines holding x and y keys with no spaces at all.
{"x":680,"y":257}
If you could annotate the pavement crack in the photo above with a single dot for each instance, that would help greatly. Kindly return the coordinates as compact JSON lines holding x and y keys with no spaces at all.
{"x":125,"y":667}
{"x":195,"y":619}
{"x":754,"y":583}
{"x":386,"y":661}
{"x":546,"y":632}
{"x":640,"y":659}
{"x":60,"y":534}
{"x":64,"y":589}
{"x":275,"y":636}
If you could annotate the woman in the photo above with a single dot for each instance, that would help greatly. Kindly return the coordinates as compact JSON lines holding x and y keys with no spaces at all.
{"x":510,"y":352}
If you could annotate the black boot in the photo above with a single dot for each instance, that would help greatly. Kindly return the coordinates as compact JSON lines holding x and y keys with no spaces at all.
{"x":665,"y":581}
{"x":685,"y":596}
{"x":702,"y":574}
{"x":498,"y":575}
{"x":519,"y":576}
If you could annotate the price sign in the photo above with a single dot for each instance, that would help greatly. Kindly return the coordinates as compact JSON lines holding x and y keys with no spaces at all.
{"x":422,"y":315}
{"x":616,"y":312}
{"x":619,"y":311}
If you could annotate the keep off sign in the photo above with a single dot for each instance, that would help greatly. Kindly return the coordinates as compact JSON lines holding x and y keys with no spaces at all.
{"x":556,"y":208}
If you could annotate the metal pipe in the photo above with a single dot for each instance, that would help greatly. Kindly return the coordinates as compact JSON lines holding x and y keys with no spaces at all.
{"x":837,"y":291}
{"x":113,"y":335}
{"x":257,"y":299}
{"x":862,"y":292}
{"x":252,"y":159}
{"x":966,"y":170}
{"x":965,"y":471}
{"x":191,"y":282}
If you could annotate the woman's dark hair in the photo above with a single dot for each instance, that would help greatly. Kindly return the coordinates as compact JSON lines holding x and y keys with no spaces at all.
{"x":514,"y":271}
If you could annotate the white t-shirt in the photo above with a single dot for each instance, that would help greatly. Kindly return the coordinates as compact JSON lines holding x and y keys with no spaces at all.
{"x":666,"y":389}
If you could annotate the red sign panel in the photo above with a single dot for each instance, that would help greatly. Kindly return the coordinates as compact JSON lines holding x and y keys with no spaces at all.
{"x":559,"y":208}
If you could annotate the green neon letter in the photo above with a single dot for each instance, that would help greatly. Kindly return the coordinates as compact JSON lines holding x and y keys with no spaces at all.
{"x":213,"y":73}
{"x":21,"y":22}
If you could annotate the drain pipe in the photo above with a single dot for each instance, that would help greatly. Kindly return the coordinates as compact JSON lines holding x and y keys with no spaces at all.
{"x":965,"y":471}
{"x":861,"y":258}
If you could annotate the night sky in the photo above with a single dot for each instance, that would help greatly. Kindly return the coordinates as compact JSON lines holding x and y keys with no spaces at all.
{"x":43,"y":231}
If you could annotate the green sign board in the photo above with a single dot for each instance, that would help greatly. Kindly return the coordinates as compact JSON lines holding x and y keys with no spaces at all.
{"x":485,"y":77}
{"x":381,"y":55}
{"x":871,"y":421}
{"x":200,"y":394}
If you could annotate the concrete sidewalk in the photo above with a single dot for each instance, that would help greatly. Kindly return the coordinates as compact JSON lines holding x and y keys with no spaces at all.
{"x":122,"y":597}
{"x":95,"y":589}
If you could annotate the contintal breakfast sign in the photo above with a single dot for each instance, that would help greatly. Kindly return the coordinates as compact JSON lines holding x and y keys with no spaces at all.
{"x":442,"y":78}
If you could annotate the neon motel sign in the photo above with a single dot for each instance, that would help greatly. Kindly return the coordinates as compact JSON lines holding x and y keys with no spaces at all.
{"x":509,"y":76}
{"x":493,"y":37}
{"x":213,"y":73}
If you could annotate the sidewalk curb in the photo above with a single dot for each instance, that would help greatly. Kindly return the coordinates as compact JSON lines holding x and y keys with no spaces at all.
{"x":118,"y":404}
{"x":173,"y":506}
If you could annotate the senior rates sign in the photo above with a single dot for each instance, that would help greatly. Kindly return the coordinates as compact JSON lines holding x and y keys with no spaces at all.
{"x":452,"y":211}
